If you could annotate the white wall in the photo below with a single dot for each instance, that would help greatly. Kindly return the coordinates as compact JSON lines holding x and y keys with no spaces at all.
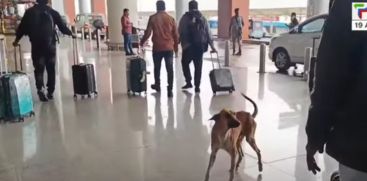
{"x":58,"y":5}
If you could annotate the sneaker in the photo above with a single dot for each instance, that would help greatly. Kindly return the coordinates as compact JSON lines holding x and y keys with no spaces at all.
{"x":170,"y":94}
{"x":156,"y":88}
{"x":187,"y":86}
{"x":50,"y":96}
{"x":335,"y":176}
{"x":42,"y":96}
{"x":197,"y":90}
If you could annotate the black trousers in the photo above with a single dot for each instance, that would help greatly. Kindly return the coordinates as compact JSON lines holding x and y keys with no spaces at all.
{"x":189,"y":55}
{"x":168,"y":58}
{"x":44,"y":58}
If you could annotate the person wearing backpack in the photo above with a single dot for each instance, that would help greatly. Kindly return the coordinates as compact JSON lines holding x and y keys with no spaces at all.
{"x":236,"y":28}
{"x":195,"y":37}
{"x":39,"y":23}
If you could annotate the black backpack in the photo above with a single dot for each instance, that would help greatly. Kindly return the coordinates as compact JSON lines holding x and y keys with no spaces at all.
{"x":43,"y":31}
{"x":199,"y":37}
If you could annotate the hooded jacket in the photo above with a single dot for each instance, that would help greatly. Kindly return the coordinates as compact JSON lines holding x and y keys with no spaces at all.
{"x":337,"y":116}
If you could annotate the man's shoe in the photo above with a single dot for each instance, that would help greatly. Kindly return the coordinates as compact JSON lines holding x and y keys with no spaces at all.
{"x":335,"y":176}
{"x":197,"y":90}
{"x":156,"y":87}
{"x":42,"y":96}
{"x":170,"y":94}
{"x":239,"y":53}
{"x":50,"y":96}
{"x":187,"y":86}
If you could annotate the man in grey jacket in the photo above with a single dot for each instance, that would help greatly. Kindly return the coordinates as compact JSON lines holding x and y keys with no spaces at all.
{"x":195,"y":37}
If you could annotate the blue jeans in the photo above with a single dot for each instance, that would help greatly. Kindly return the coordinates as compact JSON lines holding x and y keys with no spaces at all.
{"x":128,"y":44}
{"x":157,"y":59}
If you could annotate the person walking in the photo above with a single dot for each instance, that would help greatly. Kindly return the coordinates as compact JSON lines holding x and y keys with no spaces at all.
{"x":337,"y":118}
{"x":294,"y":21}
{"x":195,"y":37}
{"x":39,"y":23}
{"x":165,"y":43}
{"x":127,"y":28}
{"x":236,"y":29}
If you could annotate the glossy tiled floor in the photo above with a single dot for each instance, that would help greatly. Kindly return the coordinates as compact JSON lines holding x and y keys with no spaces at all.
{"x":152,"y":138}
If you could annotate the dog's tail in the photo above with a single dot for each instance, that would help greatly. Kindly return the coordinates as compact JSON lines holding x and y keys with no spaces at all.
{"x":253,"y":103}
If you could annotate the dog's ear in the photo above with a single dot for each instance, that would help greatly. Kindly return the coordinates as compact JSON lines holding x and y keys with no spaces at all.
{"x":215,"y":117}
{"x":232,"y":120}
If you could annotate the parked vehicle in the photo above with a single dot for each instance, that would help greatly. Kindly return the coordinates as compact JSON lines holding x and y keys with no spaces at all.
{"x":85,"y":21}
{"x":263,"y":29}
{"x":288,"y":49}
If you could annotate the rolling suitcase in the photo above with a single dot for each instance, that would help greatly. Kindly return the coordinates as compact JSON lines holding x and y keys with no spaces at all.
{"x":220,"y":79}
{"x":136,"y":75}
{"x":84,"y":80}
{"x":15,"y":90}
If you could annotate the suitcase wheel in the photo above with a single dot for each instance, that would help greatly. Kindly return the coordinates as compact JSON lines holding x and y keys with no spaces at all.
{"x":96,"y":93}
{"x":21,"y":120}
{"x":32,"y":114}
{"x":75,"y":96}
{"x":231,"y":91}
{"x":215,"y":93}
{"x":89,"y":96}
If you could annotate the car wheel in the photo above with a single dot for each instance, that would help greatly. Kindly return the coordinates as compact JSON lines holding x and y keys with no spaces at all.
{"x":282,"y":60}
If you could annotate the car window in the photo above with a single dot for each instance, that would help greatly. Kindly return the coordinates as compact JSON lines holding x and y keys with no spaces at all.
{"x":314,"y":26}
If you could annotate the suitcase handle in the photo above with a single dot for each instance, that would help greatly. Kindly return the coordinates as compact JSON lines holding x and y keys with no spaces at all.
{"x":3,"y":57}
{"x":75,"y":51}
{"x":19,"y":48}
{"x":212,"y":59}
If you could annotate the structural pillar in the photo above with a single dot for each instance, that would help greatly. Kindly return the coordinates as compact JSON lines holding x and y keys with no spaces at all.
{"x":226,"y":11}
{"x":85,"y":6}
{"x":99,"y":6}
{"x":182,"y":6}
{"x":115,"y":9}
{"x":316,"y":7}
{"x":70,"y":9}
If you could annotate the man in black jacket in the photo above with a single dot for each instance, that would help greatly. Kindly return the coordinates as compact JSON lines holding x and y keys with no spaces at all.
{"x":39,"y":23}
{"x":337,"y":115}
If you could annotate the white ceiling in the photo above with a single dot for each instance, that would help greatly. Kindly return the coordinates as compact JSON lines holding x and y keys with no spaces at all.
{"x":149,"y":5}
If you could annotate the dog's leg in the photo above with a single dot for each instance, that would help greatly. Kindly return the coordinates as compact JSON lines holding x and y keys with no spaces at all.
{"x":250,"y":138}
{"x":233,"y":163}
{"x":240,"y":157}
{"x":213,"y":156}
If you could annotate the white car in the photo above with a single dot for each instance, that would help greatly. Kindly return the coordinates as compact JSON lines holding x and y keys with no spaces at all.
{"x":288,"y":49}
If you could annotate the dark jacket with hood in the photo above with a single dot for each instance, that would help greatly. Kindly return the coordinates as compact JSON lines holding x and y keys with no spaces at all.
{"x":184,"y":31}
{"x":337,"y":115}
{"x":26,"y":25}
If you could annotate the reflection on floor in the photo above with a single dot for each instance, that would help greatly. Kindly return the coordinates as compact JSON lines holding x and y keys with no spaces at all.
{"x":152,"y":138}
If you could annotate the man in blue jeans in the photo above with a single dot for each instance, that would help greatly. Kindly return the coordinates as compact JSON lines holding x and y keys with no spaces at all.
{"x":165,"y":42}
{"x":127,"y":29}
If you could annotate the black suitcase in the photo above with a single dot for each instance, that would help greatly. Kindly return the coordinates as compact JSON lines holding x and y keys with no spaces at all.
{"x":221,"y":79}
{"x":136,"y":75}
{"x":84,"y":80}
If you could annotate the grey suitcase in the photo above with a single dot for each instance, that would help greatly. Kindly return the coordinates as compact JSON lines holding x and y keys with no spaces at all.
{"x":221,"y":79}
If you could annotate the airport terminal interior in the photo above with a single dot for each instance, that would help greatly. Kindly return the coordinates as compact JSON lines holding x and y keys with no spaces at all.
{"x":150,"y":137}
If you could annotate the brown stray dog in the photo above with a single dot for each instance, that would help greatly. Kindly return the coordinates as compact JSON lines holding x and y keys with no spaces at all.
{"x":228,"y":132}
